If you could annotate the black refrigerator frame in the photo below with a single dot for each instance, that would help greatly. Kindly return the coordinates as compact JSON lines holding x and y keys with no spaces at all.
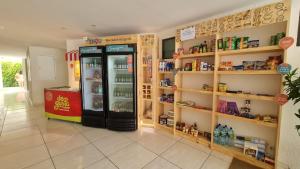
{"x":122,"y":121}
{"x":89,"y":117}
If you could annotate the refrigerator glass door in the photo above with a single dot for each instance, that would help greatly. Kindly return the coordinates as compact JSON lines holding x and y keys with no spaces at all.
{"x":121,"y":83}
{"x":92,"y":83}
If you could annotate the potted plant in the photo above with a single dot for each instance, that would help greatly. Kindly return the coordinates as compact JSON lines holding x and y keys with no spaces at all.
{"x":292,"y":88}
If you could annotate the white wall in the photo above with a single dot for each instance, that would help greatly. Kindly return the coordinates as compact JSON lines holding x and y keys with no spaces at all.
{"x":289,"y":148}
{"x":36,"y":83}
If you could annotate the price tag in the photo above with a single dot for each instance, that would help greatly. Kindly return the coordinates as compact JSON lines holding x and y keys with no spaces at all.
{"x":284,"y":68}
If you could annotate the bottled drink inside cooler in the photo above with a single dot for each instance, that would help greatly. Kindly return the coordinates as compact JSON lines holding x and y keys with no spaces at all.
{"x":120,"y":82}
{"x":92,"y":84}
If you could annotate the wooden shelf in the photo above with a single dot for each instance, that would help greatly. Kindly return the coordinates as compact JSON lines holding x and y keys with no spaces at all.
{"x":147,"y":99}
{"x":197,"y":55}
{"x":246,"y":96}
{"x":164,"y":127}
{"x":167,"y":103}
{"x":145,"y":65}
{"x":263,"y":49}
{"x":194,"y":109}
{"x":195,"y":91}
{"x":166,"y":88}
{"x":249,"y":72}
{"x":147,"y":84}
{"x":242,"y":119}
{"x":238,"y":153}
{"x":169,"y":72}
{"x":200,"y":140}
{"x":196,"y":72}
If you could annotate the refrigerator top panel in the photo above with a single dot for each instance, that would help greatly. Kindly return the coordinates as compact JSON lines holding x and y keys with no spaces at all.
{"x":91,"y":50}
{"x":92,"y":84}
{"x":119,"y":48}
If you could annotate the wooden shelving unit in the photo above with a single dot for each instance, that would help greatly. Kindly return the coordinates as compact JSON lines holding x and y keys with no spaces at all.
{"x":238,"y":153}
{"x":200,"y":140}
{"x":197,"y":55}
{"x":249,"y":72}
{"x":196,"y":72}
{"x":205,"y":31}
{"x":246,"y":96}
{"x":242,"y":119}
{"x":195,"y":91}
{"x":147,"y":52}
{"x":194,"y":109}
{"x":263,"y":49}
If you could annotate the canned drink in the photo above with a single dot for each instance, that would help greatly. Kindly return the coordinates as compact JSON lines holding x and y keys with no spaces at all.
{"x":273,"y":39}
{"x":279,"y":37}
{"x":233,"y":43}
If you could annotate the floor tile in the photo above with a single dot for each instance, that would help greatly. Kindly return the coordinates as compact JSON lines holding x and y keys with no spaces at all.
{"x":24,"y":158}
{"x":160,"y":163}
{"x":157,"y":143}
{"x":12,"y":146}
{"x":82,"y":128}
{"x":133,"y":156}
{"x":200,"y":147}
{"x":53,"y":134}
{"x":15,"y":134}
{"x":16,"y":126}
{"x":185,"y":156}
{"x":95,"y":134}
{"x":213,"y":163}
{"x":42,"y":165}
{"x":140,"y":133}
{"x":78,"y":158}
{"x":221,"y":156}
{"x":112,"y":143}
{"x":103,"y":164}
{"x":63,"y":145}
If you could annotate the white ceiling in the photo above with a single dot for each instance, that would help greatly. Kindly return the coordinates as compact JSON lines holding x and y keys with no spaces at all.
{"x":50,"y":22}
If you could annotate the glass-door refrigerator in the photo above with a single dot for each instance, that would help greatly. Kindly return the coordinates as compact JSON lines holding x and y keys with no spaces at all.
{"x":121,"y":85}
{"x":92,"y":86}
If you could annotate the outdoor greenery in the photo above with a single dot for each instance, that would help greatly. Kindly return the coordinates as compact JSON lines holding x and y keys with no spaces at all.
{"x":9,"y":70}
{"x":292,"y":88}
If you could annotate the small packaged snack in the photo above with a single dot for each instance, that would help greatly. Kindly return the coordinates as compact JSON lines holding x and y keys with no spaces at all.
{"x":248,"y":65}
{"x":260,"y":65}
{"x":253,"y":44}
{"x":244,"y":42}
{"x":250,"y":149}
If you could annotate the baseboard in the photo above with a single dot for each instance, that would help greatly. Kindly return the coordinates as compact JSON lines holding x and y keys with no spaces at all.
{"x":281,"y":165}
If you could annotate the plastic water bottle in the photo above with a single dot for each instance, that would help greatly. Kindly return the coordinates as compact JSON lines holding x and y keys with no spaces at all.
{"x":224,"y":136}
{"x":217,"y":133}
{"x":231,"y":136}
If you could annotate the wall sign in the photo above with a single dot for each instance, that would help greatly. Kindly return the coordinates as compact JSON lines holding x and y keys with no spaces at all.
{"x":281,"y":99}
{"x":188,"y":33}
{"x":286,"y":42}
{"x":266,"y":15}
{"x":284,"y":68}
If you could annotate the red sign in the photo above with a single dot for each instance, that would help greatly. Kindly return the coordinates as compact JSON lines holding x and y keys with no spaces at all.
{"x":63,"y":103}
{"x":286,"y":42}
{"x":281,"y":99}
{"x":129,"y":63}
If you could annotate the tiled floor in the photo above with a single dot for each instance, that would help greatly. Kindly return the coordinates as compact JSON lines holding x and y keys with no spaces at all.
{"x":30,"y":141}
